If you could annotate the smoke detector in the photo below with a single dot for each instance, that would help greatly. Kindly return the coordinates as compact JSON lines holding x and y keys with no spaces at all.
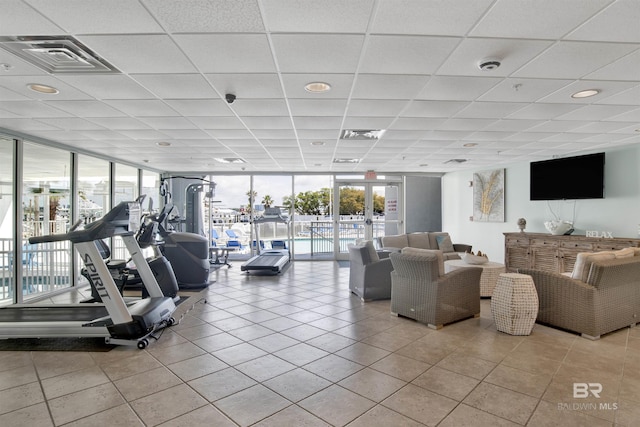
{"x":488,"y":64}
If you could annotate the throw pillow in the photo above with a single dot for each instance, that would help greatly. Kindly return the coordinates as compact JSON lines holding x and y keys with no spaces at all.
{"x":427,"y":252}
{"x":583,"y":263}
{"x":444,"y":243}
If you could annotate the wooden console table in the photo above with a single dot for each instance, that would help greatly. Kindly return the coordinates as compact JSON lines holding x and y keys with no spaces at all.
{"x":556,"y":254}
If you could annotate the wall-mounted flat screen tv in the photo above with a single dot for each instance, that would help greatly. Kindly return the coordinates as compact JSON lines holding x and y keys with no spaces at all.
{"x":569,"y":178}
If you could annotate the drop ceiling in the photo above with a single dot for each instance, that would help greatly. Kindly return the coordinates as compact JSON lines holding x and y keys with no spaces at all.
{"x":408,"y":67}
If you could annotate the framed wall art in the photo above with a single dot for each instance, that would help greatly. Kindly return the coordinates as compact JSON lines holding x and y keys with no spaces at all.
{"x":488,"y":196}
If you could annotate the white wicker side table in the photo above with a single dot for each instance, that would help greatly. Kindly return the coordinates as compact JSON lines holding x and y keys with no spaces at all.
{"x":514,"y":304}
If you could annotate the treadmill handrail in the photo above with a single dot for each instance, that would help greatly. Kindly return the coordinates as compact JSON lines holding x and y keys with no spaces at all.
{"x":113,"y":223}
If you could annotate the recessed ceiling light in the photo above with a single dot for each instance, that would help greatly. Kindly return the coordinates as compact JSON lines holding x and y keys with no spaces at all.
{"x":422,"y":165}
{"x":163,"y":144}
{"x":346,"y":160}
{"x":317,"y":87}
{"x":37,"y":87}
{"x":470,"y":144}
{"x":317,"y":142}
{"x":229,"y":160}
{"x":585,"y":93}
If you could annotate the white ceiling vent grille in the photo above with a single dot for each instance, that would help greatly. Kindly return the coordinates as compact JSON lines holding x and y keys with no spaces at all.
{"x":362,"y":134}
{"x":57,"y":54}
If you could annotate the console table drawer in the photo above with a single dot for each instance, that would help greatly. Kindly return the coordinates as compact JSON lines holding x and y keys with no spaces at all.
{"x":584,"y":246}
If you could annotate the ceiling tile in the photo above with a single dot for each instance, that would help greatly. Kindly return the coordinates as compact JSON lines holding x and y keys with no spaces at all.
{"x":98,"y":17}
{"x":204,"y":16}
{"x":140,"y":53}
{"x":552,"y":18}
{"x":176,"y":86}
{"x":87,"y":108}
{"x":405,"y":54}
{"x":573,"y":59}
{"x":18,"y":17}
{"x":428,"y":17}
{"x":107,"y":86}
{"x":260,"y":107}
{"x":328,"y":16}
{"x":32,"y":109}
{"x":210,"y":108}
{"x":433,"y":108}
{"x":247,"y":85}
{"x":228,"y":53}
{"x":523,"y":90}
{"x":375,"y":108}
{"x":387,"y":86}
{"x":457,"y":88}
{"x":317,"y":53}
{"x":618,"y":22}
{"x":317,"y":107}
{"x":142,"y":108}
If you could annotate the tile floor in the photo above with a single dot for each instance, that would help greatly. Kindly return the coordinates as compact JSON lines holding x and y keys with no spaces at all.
{"x":299,"y":350}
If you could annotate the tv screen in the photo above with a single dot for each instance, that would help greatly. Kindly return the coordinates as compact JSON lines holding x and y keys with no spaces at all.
{"x":579,"y":177}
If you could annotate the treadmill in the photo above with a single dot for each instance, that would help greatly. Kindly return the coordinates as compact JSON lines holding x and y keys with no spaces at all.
{"x":271,"y":261}
{"x":118,"y":322}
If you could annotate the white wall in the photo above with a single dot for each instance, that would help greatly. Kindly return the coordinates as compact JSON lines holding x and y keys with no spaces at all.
{"x":618,"y":212}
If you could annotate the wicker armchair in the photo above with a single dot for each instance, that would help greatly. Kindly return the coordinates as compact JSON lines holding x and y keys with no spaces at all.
{"x":369,"y":276}
{"x":607,"y":301}
{"x":419,"y":292}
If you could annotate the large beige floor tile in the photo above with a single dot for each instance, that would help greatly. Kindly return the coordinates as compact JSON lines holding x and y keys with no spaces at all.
{"x":34,"y":415}
{"x":197,"y":367}
{"x":382,"y":416}
{"x":251,"y":405}
{"x":513,"y":406}
{"x":421,"y":405}
{"x":297,"y":384}
{"x":372,"y":384}
{"x":447,"y":383}
{"x":464,"y":415}
{"x":146,"y":383}
{"x":71,"y":407}
{"x":221,"y":384}
{"x":336,"y":405}
{"x":292,"y":416}
{"x":167,"y":404}
{"x":333,"y":368}
{"x":402,"y":367}
{"x":120,"y":416}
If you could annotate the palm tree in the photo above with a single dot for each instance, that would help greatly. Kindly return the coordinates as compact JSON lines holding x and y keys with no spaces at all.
{"x":267,"y":201}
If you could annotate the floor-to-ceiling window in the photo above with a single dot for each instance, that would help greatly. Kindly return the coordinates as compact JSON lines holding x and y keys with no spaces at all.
{"x":313,"y":220}
{"x":150,"y":188}
{"x":93,"y":188}
{"x":46,"y":209}
{"x":7,"y":223}
{"x":227,"y":213}
{"x":126,"y":184}
{"x":271,"y":191}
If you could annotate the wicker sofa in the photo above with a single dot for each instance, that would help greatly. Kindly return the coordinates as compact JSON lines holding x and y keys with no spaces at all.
{"x":607,"y":300}
{"x":421,"y":291}
{"x":426,"y":240}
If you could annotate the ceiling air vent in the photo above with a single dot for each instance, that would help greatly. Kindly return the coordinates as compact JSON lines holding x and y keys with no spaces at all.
{"x":57,"y":54}
{"x":361,"y":134}
{"x":456,"y":161}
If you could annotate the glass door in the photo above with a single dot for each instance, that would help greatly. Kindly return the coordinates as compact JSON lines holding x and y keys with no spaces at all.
{"x":365,"y":210}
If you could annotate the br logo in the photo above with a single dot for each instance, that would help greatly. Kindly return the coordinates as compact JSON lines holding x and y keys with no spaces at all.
{"x":583,"y":390}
